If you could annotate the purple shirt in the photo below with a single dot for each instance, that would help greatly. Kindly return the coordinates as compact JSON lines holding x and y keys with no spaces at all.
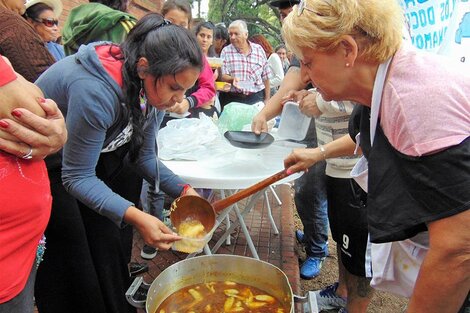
{"x":252,"y":69}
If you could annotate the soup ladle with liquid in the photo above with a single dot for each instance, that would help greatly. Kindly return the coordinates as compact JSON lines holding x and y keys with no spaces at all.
{"x":194,"y":208}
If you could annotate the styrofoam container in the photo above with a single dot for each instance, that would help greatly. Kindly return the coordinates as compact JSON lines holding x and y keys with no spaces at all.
{"x":294,"y":124}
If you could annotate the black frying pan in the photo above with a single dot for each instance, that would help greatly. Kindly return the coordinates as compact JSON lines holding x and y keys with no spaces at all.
{"x":248,"y":139}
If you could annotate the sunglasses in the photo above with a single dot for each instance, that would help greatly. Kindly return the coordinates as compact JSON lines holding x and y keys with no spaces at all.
{"x":302,"y":6}
{"x":49,"y":22}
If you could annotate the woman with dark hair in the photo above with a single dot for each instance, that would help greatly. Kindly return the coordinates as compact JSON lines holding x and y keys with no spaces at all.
{"x":221,"y":38}
{"x":99,"y":20}
{"x":201,"y":97}
{"x":113,"y":97}
{"x":178,"y":12}
{"x":43,"y":16}
{"x":205,"y":36}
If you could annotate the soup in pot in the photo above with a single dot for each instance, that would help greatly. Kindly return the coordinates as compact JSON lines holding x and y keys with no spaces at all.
{"x":221,"y":297}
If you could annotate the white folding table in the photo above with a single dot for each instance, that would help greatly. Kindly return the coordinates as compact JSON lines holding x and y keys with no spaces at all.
{"x":239,"y":170}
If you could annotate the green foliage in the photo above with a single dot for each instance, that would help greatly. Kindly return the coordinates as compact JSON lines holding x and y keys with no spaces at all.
{"x":261,"y":18}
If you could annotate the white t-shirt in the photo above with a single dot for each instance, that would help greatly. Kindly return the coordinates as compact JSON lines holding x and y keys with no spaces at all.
{"x":277,"y":71}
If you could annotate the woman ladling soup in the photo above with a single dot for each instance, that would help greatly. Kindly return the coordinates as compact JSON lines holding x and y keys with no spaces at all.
{"x":419,"y":169}
{"x":111,"y":95}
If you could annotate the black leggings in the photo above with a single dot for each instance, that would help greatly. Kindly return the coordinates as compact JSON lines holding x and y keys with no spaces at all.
{"x":85,"y":264}
{"x":67,"y":280}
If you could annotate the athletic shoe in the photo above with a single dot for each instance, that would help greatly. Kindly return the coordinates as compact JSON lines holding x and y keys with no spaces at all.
{"x":299,"y":235}
{"x":327,"y":299}
{"x":311,"y":267}
{"x":137,"y":268}
{"x":148,"y":252}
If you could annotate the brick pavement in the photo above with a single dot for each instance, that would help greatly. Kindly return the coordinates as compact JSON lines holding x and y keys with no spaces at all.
{"x":275,"y":249}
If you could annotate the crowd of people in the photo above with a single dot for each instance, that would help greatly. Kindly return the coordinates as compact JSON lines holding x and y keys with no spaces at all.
{"x":81,"y":110}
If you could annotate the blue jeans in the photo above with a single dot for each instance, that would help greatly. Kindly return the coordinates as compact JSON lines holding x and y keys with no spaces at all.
{"x":310,"y":200}
{"x":311,"y":204}
{"x":152,"y":202}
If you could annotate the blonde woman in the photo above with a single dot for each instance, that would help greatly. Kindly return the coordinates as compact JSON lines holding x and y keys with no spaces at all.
{"x":419,"y":172}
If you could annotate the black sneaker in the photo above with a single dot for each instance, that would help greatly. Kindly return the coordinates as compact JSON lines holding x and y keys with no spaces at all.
{"x":148,"y":252}
{"x":137,"y":268}
{"x":141,"y":294}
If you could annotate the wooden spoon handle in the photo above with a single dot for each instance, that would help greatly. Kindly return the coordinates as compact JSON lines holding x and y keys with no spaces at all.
{"x":226,"y":202}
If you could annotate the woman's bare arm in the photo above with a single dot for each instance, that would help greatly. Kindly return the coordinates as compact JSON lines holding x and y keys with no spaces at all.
{"x":28,"y":120}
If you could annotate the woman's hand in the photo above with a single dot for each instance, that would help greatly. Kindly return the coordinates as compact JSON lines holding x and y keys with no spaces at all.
{"x":259,"y":124}
{"x":152,"y":230}
{"x":308,"y":105}
{"x":45,"y":135}
{"x":301,"y":159}
{"x":180,"y":107}
{"x":294,"y":95}
{"x":190,"y":192}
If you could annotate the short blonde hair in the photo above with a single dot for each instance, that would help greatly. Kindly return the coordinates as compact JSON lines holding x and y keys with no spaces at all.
{"x":377,"y":26}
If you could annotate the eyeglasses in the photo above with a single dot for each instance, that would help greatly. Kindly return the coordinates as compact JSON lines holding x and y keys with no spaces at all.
{"x":164,"y":23}
{"x":49,"y":22}
{"x":301,"y":7}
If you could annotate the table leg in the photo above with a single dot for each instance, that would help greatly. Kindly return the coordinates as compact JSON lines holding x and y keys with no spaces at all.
{"x":240,"y":221}
{"x":227,"y":220}
{"x":270,"y":214}
{"x":275,"y":195}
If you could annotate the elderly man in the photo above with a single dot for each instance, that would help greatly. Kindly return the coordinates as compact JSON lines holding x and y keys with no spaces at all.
{"x":245,"y":67}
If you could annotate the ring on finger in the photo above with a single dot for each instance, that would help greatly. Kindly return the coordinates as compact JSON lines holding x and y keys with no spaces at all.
{"x":28,"y":155}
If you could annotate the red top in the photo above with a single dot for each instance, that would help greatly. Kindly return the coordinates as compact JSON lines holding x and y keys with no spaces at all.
{"x":26,"y":200}
{"x":206,"y":85}
{"x":6,"y":73}
{"x":25,"y":208}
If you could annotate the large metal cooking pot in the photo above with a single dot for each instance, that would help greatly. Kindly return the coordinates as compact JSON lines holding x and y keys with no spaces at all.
{"x":221,"y":267}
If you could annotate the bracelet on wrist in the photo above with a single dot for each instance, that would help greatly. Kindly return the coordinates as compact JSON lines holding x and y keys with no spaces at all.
{"x":323,"y":151}
{"x":185,"y":189}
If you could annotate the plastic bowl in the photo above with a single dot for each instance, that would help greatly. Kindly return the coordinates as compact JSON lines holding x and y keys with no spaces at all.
{"x":223,"y":86}
{"x":215,"y":62}
{"x":192,"y":245}
{"x":294,"y":124}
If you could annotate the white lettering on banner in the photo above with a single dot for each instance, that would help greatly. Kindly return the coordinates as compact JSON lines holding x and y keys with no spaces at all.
{"x":428,"y":21}
{"x":429,"y":41}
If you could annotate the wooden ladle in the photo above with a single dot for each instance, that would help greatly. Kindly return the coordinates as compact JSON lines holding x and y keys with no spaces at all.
{"x":199,"y":209}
